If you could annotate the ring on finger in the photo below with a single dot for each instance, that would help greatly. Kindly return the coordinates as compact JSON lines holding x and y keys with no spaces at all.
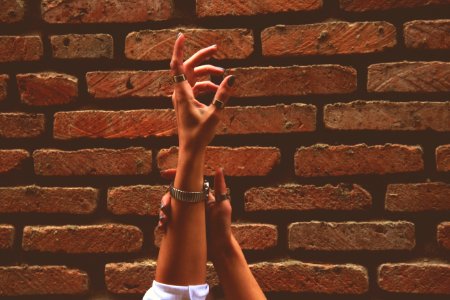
{"x":218,"y":104}
{"x":222,"y":197}
{"x":179,"y":78}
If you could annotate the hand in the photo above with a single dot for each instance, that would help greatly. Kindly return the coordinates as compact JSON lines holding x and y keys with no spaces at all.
{"x":196,"y":121}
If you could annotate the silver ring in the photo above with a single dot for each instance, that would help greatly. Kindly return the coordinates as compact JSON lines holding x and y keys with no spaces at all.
{"x":179,"y":78}
{"x":222,"y":197}
{"x":218,"y":104}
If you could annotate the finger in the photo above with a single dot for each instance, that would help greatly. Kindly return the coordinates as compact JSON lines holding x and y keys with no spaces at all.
{"x":211,"y":200}
{"x":208,"y":70}
{"x":224,"y":92}
{"x":220,"y":186}
{"x":168,"y":174}
{"x":176,"y":64}
{"x":202,"y":87}
{"x":200,"y":56}
{"x":198,"y":104}
{"x":165,"y":204}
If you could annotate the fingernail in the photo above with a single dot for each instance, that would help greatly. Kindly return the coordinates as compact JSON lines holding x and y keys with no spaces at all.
{"x":221,"y":168}
{"x":178,"y":35}
{"x":231,"y":80}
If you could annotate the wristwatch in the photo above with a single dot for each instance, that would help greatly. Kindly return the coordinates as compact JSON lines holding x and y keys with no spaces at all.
{"x":190,"y":196}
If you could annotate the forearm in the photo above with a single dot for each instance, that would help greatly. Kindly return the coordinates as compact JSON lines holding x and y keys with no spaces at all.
{"x":234,"y":274}
{"x":182,"y":256}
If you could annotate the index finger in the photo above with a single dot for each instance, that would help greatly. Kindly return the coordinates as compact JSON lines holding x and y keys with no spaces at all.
{"x":176,"y":64}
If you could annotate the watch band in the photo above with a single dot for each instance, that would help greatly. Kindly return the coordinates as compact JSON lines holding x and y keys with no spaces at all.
{"x":190,"y":196}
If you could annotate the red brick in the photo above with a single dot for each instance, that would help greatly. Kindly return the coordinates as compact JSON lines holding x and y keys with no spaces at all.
{"x":351,"y":236}
{"x":243,"y":161}
{"x":162,"y":122}
{"x":72,"y":46}
{"x":415,"y":278}
{"x":43,"y":89}
{"x":20,"y":48}
{"x":6,"y":236}
{"x":294,"y":276}
{"x":105,"y":11}
{"x":12,"y":159}
{"x":295,"y":197}
{"x":427,"y":34}
{"x":3,"y":86}
{"x":157,"y":45}
{"x":443,"y":158}
{"x":143,"y":200}
{"x":293,"y":80}
{"x":11,"y":11}
{"x":98,"y":161}
{"x":329,"y":160}
{"x":121,"y":84}
{"x":368,"y":5}
{"x":409,"y":77}
{"x":328,"y":38}
{"x":21,"y":125}
{"x":35,"y":199}
{"x":385,"y":115}
{"x":42,"y":280}
{"x":137,"y":277}
{"x":208,"y":8}
{"x":416,"y":197}
{"x":106,"y":238}
{"x":443,"y":234}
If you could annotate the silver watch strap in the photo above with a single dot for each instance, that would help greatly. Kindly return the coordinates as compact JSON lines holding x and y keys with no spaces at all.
{"x":190,"y":196}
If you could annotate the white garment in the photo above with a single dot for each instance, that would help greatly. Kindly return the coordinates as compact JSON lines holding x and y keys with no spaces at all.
{"x":161,"y":291}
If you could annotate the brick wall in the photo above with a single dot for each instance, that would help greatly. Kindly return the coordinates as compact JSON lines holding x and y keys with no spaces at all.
{"x":336,"y":144}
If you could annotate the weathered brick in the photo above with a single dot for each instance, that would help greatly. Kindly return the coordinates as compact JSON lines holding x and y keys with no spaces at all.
{"x":3,"y":87}
{"x":294,"y":276}
{"x":243,"y":161}
{"x":368,"y":5}
{"x":97,"y":161}
{"x":443,"y":234}
{"x":415,"y":197}
{"x":415,"y":278}
{"x":157,"y":45}
{"x":42,"y":280}
{"x":385,"y":115}
{"x":410,"y":77}
{"x":328,"y":38}
{"x":72,"y":46}
{"x":427,"y":34}
{"x":293,"y":80}
{"x":43,"y":89}
{"x":308,"y":197}
{"x":330,"y":160}
{"x":208,"y":8}
{"x":6,"y":236}
{"x":443,"y":158}
{"x":351,"y":236}
{"x":20,"y":48}
{"x":12,"y":159}
{"x":35,"y":199}
{"x":21,"y":125}
{"x":137,"y":277}
{"x":106,"y":238}
{"x":105,"y":11}
{"x":11,"y":11}
{"x":162,"y":122}
{"x":144,"y":200}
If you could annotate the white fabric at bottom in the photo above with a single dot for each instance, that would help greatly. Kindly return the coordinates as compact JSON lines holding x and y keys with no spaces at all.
{"x":161,"y":291}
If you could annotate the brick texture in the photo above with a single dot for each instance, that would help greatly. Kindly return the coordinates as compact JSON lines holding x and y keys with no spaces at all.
{"x":416,"y":197}
{"x":20,"y":48}
{"x":443,"y":234}
{"x":6,"y":236}
{"x":328,"y":38}
{"x":21,"y":125}
{"x":157,"y":45}
{"x":136,"y":200}
{"x":328,"y":160}
{"x":43,"y":89}
{"x":36,"y":199}
{"x":425,"y":34}
{"x":107,"y":238}
{"x":415,"y":278}
{"x":105,"y":11}
{"x":409,"y":77}
{"x":368,"y":5}
{"x":100,"y":161}
{"x":385,"y":115}
{"x":443,"y":158}
{"x":243,"y":161}
{"x":12,"y":11}
{"x":3,"y":86}
{"x":295,"y":197}
{"x":42,"y":280}
{"x":72,"y":46}
{"x":12,"y":159}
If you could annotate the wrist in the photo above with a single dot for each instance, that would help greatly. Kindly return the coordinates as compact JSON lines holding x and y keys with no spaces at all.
{"x":224,"y":247}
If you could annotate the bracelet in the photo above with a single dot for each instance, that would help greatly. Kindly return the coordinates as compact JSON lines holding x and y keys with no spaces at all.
{"x":192,"y":197}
